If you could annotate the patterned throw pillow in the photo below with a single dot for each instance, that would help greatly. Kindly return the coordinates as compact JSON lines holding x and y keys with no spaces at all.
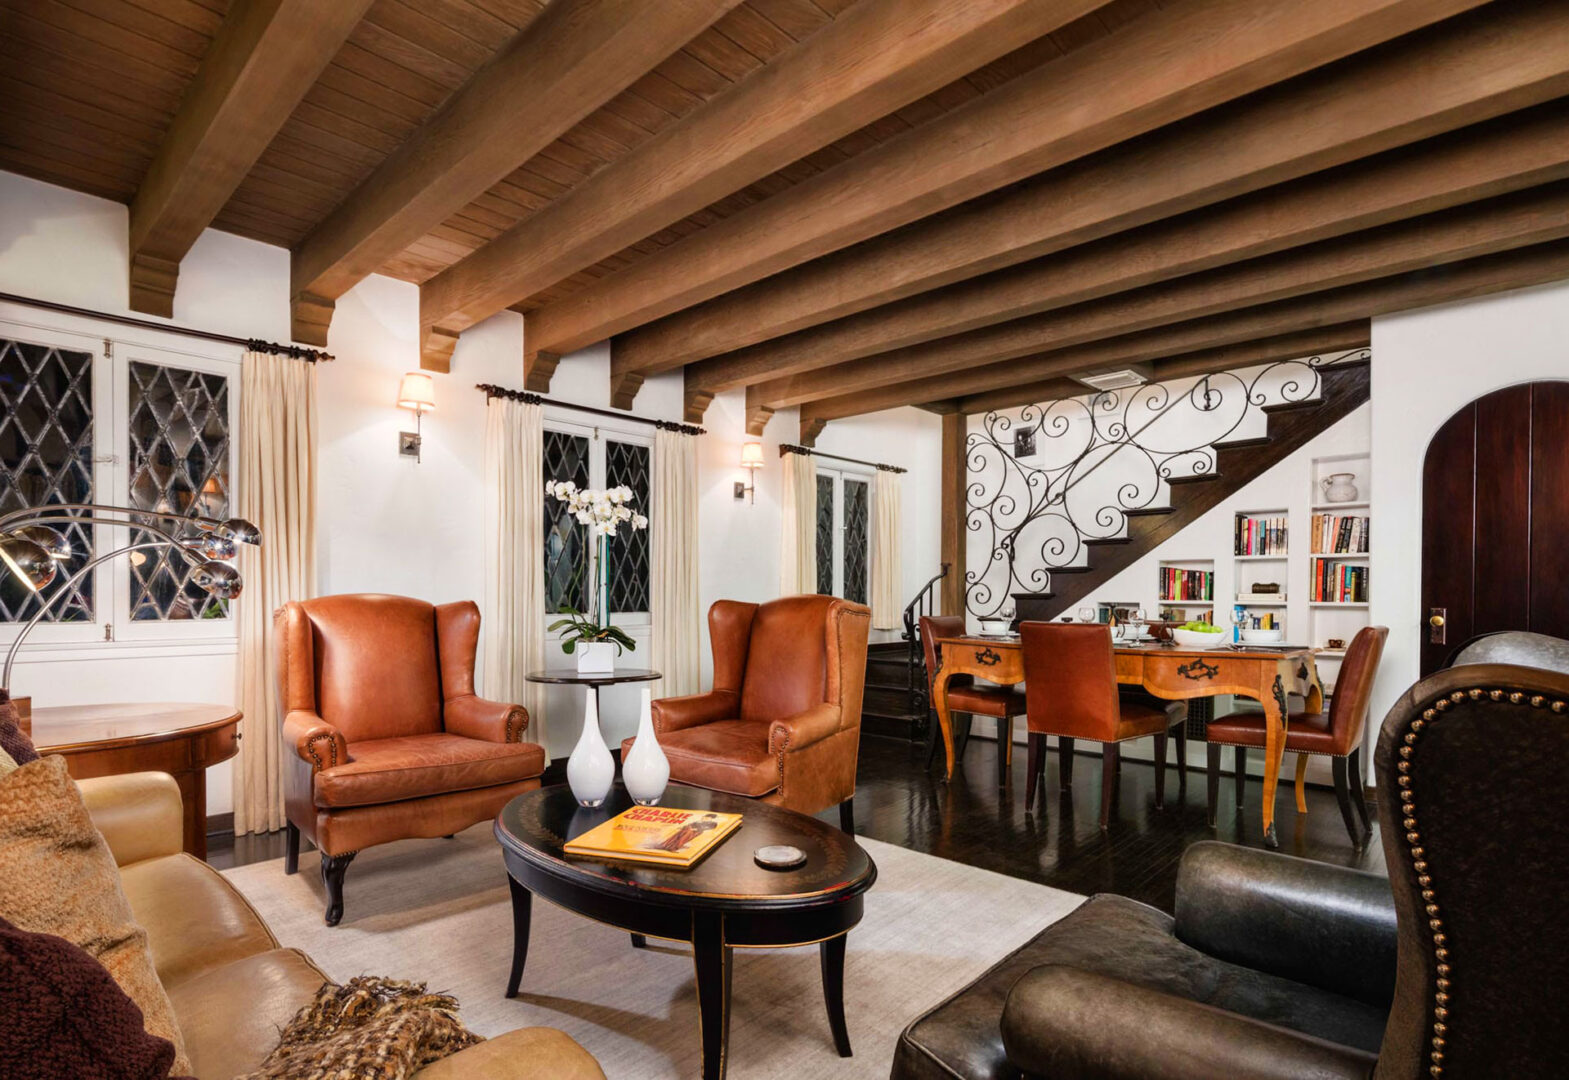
{"x":17,"y":746}
{"x":57,"y":877}
{"x":66,"y":1017}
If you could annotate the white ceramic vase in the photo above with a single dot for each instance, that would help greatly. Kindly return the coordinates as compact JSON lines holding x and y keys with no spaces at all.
{"x":591,"y":770}
{"x":646,"y":770}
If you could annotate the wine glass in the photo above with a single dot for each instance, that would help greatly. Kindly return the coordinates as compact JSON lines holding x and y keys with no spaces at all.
{"x":1136,"y":629}
{"x":1086,"y":614}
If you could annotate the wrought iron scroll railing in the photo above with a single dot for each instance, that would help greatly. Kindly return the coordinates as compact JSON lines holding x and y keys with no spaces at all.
{"x":915,"y":665}
{"x":1098,"y":460}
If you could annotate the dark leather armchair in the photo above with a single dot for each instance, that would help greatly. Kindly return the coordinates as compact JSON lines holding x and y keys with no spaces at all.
{"x":384,"y":737}
{"x":783,"y":721}
{"x":1275,"y":967}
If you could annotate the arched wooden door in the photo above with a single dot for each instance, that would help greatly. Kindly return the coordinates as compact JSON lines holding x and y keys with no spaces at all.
{"x":1495,"y":519}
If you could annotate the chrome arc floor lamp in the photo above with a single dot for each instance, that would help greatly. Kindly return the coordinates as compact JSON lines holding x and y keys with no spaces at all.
{"x":32,"y":548}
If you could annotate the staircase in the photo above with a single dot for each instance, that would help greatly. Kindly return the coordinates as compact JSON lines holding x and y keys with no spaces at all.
{"x":895,"y":702}
{"x":1290,"y":426}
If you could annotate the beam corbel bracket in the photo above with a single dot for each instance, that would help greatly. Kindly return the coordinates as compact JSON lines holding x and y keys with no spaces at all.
{"x":539,"y":368}
{"x":696,"y":403}
{"x":811,"y":427}
{"x":624,"y":388}
{"x":152,"y":284}
{"x":757,"y":417}
{"x":435,"y":351}
{"x":310,"y":316}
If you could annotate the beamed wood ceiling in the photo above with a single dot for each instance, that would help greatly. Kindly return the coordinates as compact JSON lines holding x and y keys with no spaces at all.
{"x":840,"y":205}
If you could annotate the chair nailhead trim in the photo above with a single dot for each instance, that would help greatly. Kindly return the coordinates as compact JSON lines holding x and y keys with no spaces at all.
{"x":1442,"y":982}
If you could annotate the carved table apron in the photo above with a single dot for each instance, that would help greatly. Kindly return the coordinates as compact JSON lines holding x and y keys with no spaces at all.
{"x":1172,"y":673}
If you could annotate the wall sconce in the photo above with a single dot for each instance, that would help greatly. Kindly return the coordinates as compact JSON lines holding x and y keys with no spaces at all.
{"x":751,"y":460}
{"x":417,"y":392}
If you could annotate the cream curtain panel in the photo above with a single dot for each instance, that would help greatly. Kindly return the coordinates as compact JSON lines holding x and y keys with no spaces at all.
{"x":677,"y":620}
{"x":887,"y":570}
{"x":514,"y":610}
{"x":276,"y":491}
{"x":798,"y":526}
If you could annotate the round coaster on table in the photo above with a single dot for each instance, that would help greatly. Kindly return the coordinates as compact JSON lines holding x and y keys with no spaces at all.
{"x":779,"y":857}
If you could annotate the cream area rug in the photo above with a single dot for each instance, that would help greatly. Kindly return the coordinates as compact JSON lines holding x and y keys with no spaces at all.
{"x":438,"y":911}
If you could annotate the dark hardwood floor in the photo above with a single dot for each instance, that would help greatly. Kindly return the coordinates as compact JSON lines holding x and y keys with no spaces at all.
{"x":1060,"y":844}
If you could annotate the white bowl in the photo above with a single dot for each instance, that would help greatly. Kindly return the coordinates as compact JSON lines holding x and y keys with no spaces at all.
{"x":1263,"y":637}
{"x":1194,"y":639}
{"x":995,"y":625}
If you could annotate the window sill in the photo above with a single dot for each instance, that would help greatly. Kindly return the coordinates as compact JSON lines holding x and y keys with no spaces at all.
{"x":57,"y":652}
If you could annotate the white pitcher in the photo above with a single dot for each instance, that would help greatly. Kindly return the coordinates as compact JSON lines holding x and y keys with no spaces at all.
{"x":1338,"y":487}
{"x":591,"y":770}
{"x":646,"y":770}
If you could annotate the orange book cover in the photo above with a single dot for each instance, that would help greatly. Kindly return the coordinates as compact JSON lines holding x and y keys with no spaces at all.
{"x":656,"y":834}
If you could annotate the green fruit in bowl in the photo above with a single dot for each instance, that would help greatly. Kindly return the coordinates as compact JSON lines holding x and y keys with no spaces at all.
{"x":1200,"y":628}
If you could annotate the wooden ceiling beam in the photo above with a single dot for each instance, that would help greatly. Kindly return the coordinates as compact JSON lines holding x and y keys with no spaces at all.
{"x":265,"y":57}
{"x":1513,"y":221}
{"x":877,"y":57}
{"x":1518,"y":152}
{"x":1423,"y":288}
{"x":577,"y":55}
{"x":1163,"y":67}
{"x":1474,"y":68}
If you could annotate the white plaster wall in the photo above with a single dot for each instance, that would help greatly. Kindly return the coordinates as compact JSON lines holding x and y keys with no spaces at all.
{"x":1430,"y":363}
{"x":385,"y":523}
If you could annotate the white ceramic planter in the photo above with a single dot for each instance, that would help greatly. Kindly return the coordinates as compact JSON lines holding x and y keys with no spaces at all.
{"x":595,"y":657}
{"x":590,"y":770}
{"x":646,"y":770}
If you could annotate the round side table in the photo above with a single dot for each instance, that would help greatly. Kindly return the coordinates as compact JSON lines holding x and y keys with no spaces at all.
{"x":592,"y":679}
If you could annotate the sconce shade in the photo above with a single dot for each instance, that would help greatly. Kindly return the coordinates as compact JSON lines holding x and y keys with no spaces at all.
{"x":57,"y":546}
{"x":28,"y":560}
{"x":417,"y":392}
{"x":751,"y":455}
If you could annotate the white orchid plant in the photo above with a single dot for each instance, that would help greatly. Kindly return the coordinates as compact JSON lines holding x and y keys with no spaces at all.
{"x":604,"y":511}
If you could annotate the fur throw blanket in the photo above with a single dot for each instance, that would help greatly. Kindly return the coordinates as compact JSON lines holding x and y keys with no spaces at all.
{"x":368,"y":1029}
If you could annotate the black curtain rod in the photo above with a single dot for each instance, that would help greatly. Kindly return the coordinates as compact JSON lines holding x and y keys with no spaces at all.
{"x":530,"y":398}
{"x":299,"y":352}
{"x":791,"y":448}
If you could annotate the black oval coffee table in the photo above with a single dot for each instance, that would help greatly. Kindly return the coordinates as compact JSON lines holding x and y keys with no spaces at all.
{"x":724,"y":902}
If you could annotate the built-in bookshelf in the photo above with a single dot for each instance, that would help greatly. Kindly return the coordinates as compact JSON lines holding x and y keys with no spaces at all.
{"x":1187,"y":590}
{"x":1261,"y":547}
{"x":1339,"y":546}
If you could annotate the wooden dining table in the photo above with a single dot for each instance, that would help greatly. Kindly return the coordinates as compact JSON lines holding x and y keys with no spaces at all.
{"x":1268,"y":674}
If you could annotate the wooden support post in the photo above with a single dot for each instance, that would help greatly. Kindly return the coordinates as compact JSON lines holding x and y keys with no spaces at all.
{"x":954,"y":430}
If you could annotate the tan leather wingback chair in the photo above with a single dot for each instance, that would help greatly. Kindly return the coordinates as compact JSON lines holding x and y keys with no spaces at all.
{"x":783,"y":721}
{"x":384,"y":737}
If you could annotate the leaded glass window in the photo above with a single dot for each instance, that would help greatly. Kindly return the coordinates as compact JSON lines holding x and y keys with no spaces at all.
{"x":855,"y":528}
{"x":627,"y":464}
{"x":179,"y":439}
{"x":46,"y":458}
{"x":566,"y":541}
{"x":825,"y":534}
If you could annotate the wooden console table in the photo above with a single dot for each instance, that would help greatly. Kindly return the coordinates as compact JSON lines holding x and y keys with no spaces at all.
{"x":1177,"y":674}
{"x":180,"y":739}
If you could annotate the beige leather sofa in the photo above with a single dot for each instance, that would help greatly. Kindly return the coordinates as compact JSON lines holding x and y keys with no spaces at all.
{"x":231,"y":983}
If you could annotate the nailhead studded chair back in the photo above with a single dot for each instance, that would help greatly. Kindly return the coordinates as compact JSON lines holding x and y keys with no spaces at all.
{"x":1474,"y":814}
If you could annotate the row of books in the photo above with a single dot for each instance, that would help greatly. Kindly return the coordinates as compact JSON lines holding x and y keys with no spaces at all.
{"x":1266,"y":621}
{"x":1260,"y":536}
{"x":1333,"y":534}
{"x":1178,"y":584}
{"x":1339,"y":582}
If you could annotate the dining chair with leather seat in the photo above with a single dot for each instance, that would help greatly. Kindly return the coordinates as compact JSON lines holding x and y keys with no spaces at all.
{"x":1336,"y":734}
{"x":384,"y":737}
{"x":783,"y":721}
{"x":966,"y":696}
{"x":1071,"y":691}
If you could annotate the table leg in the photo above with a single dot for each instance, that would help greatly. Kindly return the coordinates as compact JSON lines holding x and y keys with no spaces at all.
{"x":944,"y":720}
{"x":1273,"y":698}
{"x":831,"y":953}
{"x":522,"y":909}
{"x":713,"y":961}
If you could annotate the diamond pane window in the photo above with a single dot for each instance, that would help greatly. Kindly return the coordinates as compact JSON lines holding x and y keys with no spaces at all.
{"x":627,"y":464}
{"x":825,"y":534}
{"x":179,"y":435}
{"x":566,"y":547}
{"x":855,"y":535}
{"x":46,"y":457}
